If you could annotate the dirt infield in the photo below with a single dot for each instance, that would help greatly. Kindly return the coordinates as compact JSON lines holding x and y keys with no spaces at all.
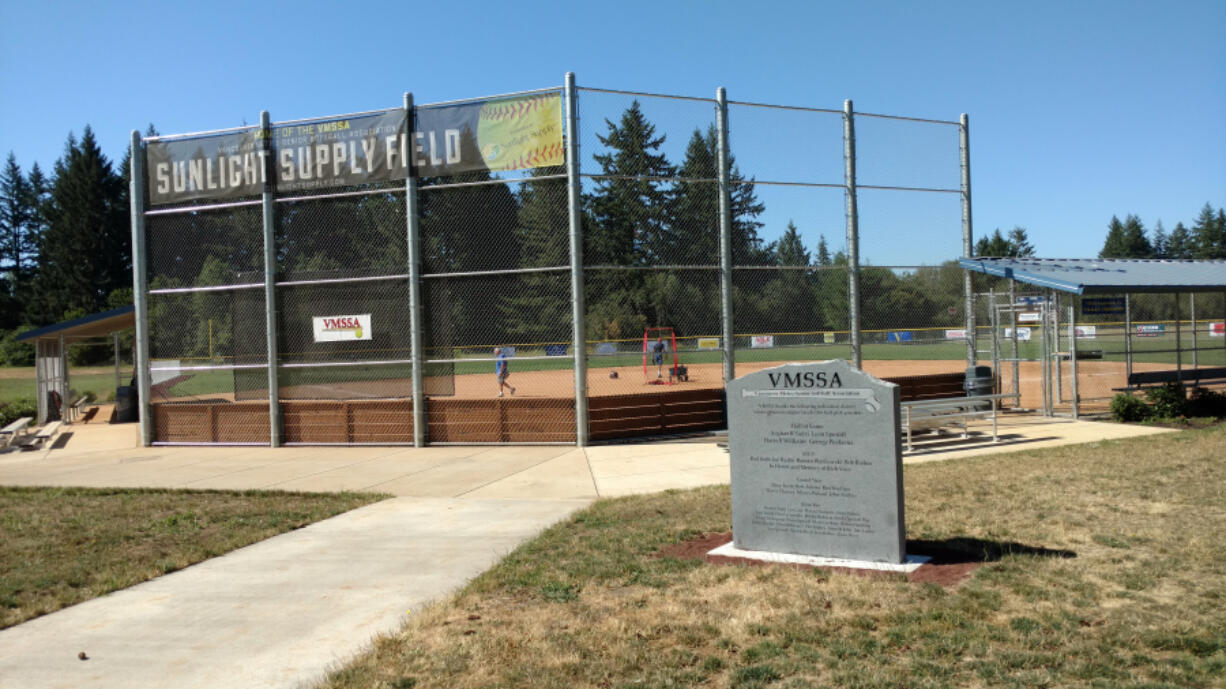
{"x":1095,"y":379}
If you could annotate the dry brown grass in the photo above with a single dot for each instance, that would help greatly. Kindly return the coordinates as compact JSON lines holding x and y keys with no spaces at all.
{"x":61,"y":546}
{"x":1140,"y":604}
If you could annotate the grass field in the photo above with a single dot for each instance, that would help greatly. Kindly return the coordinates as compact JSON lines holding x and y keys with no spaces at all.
{"x":1136,"y":600}
{"x":62,"y":546}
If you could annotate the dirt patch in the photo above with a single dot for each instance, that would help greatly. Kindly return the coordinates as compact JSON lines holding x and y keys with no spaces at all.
{"x":947,"y":568}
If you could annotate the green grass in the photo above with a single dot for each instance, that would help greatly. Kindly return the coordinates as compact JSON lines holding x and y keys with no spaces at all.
{"x":62,"y":546}
{"x":1139,"y":604}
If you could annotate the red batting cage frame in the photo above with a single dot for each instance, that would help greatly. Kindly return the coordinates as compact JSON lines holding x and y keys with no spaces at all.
{"x":651,"y":334}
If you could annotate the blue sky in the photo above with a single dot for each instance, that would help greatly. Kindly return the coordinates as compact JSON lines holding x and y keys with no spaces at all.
{"x":1078,"y":110}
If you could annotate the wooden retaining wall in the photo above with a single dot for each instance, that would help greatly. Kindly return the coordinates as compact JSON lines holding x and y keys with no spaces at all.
{"x":656,"y":413}
{"x":496,"y":420}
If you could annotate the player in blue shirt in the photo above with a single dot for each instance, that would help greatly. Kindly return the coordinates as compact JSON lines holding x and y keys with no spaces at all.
{"x":502,"y":370}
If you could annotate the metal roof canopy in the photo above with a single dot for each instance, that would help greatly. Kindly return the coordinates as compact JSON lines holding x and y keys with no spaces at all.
{"x":85,"y":327}
{"x":1106,"y":275}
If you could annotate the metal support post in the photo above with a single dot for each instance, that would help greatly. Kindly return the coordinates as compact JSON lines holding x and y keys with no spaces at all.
{"x":1127,"y":337}
{"x":1017,"y":378}
{"x":1192,"y":317}
{"x":578,"y":329}
{"x":1059,"y":376}
{"x":968,"y":246}
{"x":1072,"y":352}
{"x":853,"y":232}
{"x":1045,"y":357}
{"x":1178,"y":343}
{"x":115,"y":338}
{"x":725,"y":233}
{"x":416,"y":353}
{"x":270,"y":289}
{"x":140,"y":288}
{"x":992,"y":334}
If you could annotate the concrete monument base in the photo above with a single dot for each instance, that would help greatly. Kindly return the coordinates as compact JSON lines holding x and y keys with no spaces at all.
{"x":908,"y":565}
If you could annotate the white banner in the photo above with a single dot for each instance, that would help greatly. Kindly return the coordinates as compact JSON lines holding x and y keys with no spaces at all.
{"x":1023,"y":334}
{"x":955,"y":334}
{"x":342,"y":328}
{"x":1028,"y":317}
{"x":1086,"y":332}
{"x":1217,"y":329}
{"x":762,"y":342}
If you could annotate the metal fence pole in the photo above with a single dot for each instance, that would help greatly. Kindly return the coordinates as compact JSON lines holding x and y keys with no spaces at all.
{"x":1044,"y":355}
{"x":853,"y":232}
{"x":1017,"y":378}
{"x":1127,"y":338}
{"x":1056,"y":351}
{"x":140,"y":302}
{"x":414,"y":258}
{"x":1072,"y":353}
{"x":968,"y":247}
{"x":1178,"y":343}
{"x":725,"y":233}
{"x":1192,"y":317}
{"x":270,"y":289}
{"x":578,"y":325}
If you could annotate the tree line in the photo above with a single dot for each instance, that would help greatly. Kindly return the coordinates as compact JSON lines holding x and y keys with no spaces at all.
{"x":1205,"y":239}
{"x":65,"y":242}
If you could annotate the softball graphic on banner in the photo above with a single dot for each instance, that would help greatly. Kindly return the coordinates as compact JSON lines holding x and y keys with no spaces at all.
{"x":519,"y":133}
{"x":342,"y":328}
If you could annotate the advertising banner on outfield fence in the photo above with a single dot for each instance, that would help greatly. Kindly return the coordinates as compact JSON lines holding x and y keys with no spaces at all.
{"x":342,"y":328}
{"x":503,"y":134}
{"x":900,"y":336}
{"x":606,"y":348}
{"x":1151,"y":330}
{"x":828,"y":338}
{"x":955,"y":334}
{"x":489,"y":135}
{"x":1086,"y":332}
{"x":555,"y":350}
{"x":708,"y":343}
{"x":1029,"y":317}
{"x":762,"y":342}
{"x":1217,"y":329}
{"x":1023,"y":334}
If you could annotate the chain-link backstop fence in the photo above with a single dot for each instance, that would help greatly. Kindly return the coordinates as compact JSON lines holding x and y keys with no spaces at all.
{"x":560,"y":265}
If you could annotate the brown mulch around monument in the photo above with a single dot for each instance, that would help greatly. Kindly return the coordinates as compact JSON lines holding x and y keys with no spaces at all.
{"x":947,"y":567}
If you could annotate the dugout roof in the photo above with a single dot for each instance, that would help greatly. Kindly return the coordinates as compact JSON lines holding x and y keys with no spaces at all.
{"x":85,"y":327}
{"x":1106,"y":275}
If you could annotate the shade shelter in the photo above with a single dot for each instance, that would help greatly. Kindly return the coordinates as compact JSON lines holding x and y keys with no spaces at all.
{"x":51,"y":351}
{"x":1145,"y":312}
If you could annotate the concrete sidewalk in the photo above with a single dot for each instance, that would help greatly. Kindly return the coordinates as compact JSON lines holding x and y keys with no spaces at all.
{"x":277,"y":613}
{"x":280,"y":612}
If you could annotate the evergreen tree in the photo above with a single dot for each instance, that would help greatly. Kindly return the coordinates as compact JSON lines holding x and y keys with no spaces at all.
{"x":1160,"y":241}
{"x":823,"y":251}
{"x":1015,"y":245}
{"x":1019,"y":243}
{"x":791,"y":251}
{"x":16,"y":216}
{"x":1126,"y":239}
{"x":629,"y":203}
{"x":1179,"y":243}
{"x":1113,"y":245}
{"x":85,"y":251}
{"x":539,"y":310}
{"x":694,"y":207}
{"x":1209,"y":237}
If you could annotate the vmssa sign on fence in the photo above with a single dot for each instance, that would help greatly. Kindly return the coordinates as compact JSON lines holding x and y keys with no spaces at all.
{"x":501,"y":134}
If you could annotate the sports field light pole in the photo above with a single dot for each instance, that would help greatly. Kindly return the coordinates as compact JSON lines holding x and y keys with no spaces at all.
{"x":140,"y":302}
{"x":853,"y":231}
{"x":270,"y":288}
{"x":414,"y":257}
{"x":574,"y":201}
{"x":968,"y":247}
{"x":725,"y":233}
